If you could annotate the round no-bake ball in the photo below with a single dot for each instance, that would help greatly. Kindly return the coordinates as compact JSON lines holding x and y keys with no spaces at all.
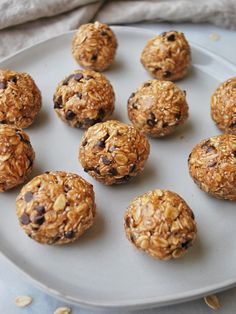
{"x":161,"y":224}
{"x":56,"y":207}
{"x":84,"y":98}
{"x":212,"y":165}
{"x":223,"y":106}
{"x":167,"y":56}
{"x":20,"y":98}
{"x":16,"y":156}
{"x":94,"y":46}
{"x":113,"y":152}
{"x":157,"y":108}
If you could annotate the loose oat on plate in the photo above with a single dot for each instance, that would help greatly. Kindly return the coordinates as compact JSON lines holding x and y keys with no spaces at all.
{"x":20,"y":98}
{"x":94,"y":46}
{"x":16,"y":156}
{"x":113,"y":152}
{"x":161,"y":224}
{"x":212,"y":165}
{"x":84,"y":98}
{"x":167,"y":56}
{"x":223,"y":106}
{"x":157,"y":108}
{"x":56,"y":207}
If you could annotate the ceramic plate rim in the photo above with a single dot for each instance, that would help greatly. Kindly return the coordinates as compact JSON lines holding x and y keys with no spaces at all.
{"x":140,"y":303}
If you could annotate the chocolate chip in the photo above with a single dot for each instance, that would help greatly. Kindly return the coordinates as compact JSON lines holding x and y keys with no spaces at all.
{"x":131,"y":96}
{"x":210,"y":149}
{"x":58,"y":103}
{"x":89,"y":77}
{"x":28,"y":197}
{"x":94,"y":57}
{"x":234,"y":153}
{"x":47,"y":172}
{"x":40,"y":209}
{"x":178,"y":115}
{"x":187,"y":244}
{"x":152,"y":120}
{"x":70,"y":115}
{"x":132,"y":168}
{"x":184,"y":91}
{"x":165,"y":125}
{"x":3,"y":121}
{"x":24,"y":140}
{"x":3,"y":84}
{"x":124,"y":179}
{"x":171,"y":37}
{"x":69,"y":234}
{"x":104,"y":33}
{"x":134,"y":106}
{"x":78,"y":125}
{"x":39,"y":220}
{"x":25,"y":219}
{"x":192,"y":215}
{"x":189,"y":156}
{"x":212,"y":164}
{"x":67,"y":79}
{"x":89,"y":121}
{"x":167,"y":74}
{"x":101,"y":114}
{"x":100,"y":144}
{"x":157,"y":69}
{"x":233,"y":124}
{"x":66,"y":188}
{"x":97,"y":170}
{"x":163,"y":34}
{"x":106,"y":160}
{"x":127,"y":221}
{"x":78,"y":76}
{"x":79,"y":95}
{"x":113,"y":172}
{"x":14,"y":79}
{"x":146,"y":84}
{"x":132,"y":238}
{"x":85,"y":142}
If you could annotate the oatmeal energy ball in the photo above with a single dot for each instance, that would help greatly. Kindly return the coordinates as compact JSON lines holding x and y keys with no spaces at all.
{"x":223,"y":106}
{"x":212,"y":165}
{"x":167,"y":56}
{"x":113,"y":152}
{"x":157,"y":108}
{"x":20,"y":98}
{"x":94,"y":46}
{"x":56,"y":207}
{"x":16,"y":156}
{"x":84,"y":98}
{"x":161,"y":224}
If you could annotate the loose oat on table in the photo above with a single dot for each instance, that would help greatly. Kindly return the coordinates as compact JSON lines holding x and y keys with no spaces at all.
{"x":20,"y":98}
{"x":212,"y":165}
{"x":16,"y":156}
{"x":84,"y":98}
{"x":157,"y":108}
{"x":62,"y":310}
{"x":212,"y":301}
{"x":94,"y":46}
{"x":56,"y":207}
{"x":167,"y":56}
{"x":223,"y":106}
{"x":23,"y":300}
{"x":113,"y":152}
{"x":161,"y":224}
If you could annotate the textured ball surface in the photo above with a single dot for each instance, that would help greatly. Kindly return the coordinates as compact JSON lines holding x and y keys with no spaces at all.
{"x":223,"y":104}
{"x":113,"y":152}
{"x":157,"y":108}
{"x":161,"y":224}
{"x":84,"y":98}
{"x":212,"y":165}
{"x":56,"y":207}
{"x":167,"y":56}
{"x":16,"y":156}
{"x":20,"y":99}
{"x":94,"y":46}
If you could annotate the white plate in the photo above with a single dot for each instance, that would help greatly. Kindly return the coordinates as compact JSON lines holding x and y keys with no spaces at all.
{"x":102,"y":269}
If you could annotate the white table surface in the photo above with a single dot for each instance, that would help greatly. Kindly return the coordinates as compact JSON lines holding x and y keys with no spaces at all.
{"x":12,"y":284}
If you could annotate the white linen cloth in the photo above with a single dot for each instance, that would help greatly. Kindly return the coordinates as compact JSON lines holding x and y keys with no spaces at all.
{"x":25,"y":22}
